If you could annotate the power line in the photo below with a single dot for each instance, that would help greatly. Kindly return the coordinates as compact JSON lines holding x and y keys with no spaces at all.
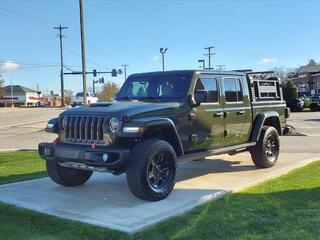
{"x":89,"y":61}
{"x":91,"y":47}
{"x":31,"y":64}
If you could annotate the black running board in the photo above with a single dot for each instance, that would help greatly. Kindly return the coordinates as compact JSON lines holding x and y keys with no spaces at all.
{"x":203,"y":154}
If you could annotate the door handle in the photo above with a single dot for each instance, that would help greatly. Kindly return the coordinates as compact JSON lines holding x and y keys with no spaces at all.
{"x":218,"y":114}
{"x":241,"y":112}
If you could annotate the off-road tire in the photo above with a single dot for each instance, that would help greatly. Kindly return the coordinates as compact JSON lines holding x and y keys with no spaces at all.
{"x":67,"y":176}
{"x":137,"y":170}
{"x":259,"y":152}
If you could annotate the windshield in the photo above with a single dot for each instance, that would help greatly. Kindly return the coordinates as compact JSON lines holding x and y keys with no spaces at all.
{"x":171,"y":87}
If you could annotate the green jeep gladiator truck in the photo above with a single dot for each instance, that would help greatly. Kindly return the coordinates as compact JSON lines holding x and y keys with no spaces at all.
{"x":161,"y":118}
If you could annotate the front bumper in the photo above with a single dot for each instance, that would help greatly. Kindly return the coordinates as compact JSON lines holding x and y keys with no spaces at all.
{"x":73,"y":153}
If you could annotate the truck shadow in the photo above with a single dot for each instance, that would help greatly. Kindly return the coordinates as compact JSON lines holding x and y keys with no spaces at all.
{"x":194,"y":169}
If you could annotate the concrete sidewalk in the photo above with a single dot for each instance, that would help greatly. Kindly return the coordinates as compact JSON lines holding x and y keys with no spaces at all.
{"x":106,"y":201}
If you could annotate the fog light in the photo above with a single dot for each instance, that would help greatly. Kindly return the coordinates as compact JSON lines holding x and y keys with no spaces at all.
{"x":105,"y":157}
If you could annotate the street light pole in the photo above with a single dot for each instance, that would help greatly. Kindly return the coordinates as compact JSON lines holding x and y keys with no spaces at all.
{"x":163,"y":51}
{"x":83,"y":53}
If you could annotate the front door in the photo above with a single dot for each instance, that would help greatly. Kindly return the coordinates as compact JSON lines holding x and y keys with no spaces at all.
{"x":207,"y":124}
{"x":237,"y":110}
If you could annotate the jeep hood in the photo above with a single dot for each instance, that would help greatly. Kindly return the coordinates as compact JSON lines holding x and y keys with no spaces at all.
{"x":131,"y":109}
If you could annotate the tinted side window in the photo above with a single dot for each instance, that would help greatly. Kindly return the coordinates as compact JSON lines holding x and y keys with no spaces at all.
{"x":210,"y":86}
{"x":233,"y":90}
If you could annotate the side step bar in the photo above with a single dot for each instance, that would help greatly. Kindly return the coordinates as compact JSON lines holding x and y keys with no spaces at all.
{"x":203,"y":154}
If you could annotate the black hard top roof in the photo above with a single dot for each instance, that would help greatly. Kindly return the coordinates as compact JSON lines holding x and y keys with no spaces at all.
{"x":216,"y":72}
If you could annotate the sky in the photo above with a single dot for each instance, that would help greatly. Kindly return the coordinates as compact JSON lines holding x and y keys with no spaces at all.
{"x":246,"y":34}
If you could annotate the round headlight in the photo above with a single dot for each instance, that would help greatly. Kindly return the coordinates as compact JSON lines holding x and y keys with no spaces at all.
{"x":114,"y":124}
{"x":64,"y":122}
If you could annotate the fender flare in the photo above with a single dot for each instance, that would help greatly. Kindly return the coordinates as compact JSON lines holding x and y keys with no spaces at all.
{"x":259,"y":122}
{"x":149,"y":122}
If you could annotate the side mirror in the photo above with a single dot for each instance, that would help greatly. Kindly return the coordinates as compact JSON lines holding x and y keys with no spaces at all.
{"x":200,"y":96}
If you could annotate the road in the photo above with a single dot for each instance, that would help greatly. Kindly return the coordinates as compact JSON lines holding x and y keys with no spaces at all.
{"x":306,"y":123}
{"x":27,"y":135}
{"x":24,"y":127}
{"x":19,"y":116}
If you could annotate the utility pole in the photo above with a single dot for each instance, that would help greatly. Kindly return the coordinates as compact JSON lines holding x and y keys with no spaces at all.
{"x":203,"y":63}
{"x":83,"y":54}
{"x":94,"y":87}
{"x":125,"y":70}
{"x":11,"y":93}
{"x":221,"y":67}
{"x":163,"y":51}
{"x":209,"y":54}
{"x":60,"y":28}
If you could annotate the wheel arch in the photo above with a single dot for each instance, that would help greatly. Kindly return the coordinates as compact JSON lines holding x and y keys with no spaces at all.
{"x":270,"y":118}
{"x":162,"y":128}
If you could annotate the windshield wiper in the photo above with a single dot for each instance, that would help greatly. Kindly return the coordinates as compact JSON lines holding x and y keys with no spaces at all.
{"x":125,"y":98}
{"x":150,"y":98}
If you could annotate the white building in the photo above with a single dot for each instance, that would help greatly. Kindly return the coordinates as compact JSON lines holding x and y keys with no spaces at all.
{"x":20,"y":96}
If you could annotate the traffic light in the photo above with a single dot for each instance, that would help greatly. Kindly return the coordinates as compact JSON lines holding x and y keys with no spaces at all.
{"x":114,"y":73}
{"x":101,"y":80}
{"x":94,"y":72}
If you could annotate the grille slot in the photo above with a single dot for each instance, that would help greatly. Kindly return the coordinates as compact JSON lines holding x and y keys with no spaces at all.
{"x":82,"y":129}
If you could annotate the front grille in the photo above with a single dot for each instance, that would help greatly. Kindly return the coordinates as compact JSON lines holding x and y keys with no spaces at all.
{"x":85,"y":129}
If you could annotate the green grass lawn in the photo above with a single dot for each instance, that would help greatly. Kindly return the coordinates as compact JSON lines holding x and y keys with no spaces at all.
{"x":287,"y":207}
{"x":17,"y":166}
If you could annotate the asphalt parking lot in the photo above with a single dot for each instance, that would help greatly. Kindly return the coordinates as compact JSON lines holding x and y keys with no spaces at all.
{"x":109,"y":203}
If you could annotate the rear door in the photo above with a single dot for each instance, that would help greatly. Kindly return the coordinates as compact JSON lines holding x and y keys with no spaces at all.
{"x":207,"y":126}
{"x":237,"y":110}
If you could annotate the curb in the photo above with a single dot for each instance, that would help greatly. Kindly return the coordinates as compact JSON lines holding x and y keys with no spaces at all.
{"x":19,"y":150}
{"x":22,"y":124}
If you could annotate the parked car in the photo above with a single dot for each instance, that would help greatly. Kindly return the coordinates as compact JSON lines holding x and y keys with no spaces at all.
{"x":78,"y":99}
{"x":295,"y":104}
{"x":315,"y":103}
{"x":162,"y":118}
{"x":306,"y":101}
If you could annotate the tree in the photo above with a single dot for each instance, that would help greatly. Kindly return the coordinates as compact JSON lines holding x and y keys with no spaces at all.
{"x":67,"y":96}
{"x":108,"y":90}
{"x":283,"y":73}
{"x":312,"y":62}
{"x":289,"y":89}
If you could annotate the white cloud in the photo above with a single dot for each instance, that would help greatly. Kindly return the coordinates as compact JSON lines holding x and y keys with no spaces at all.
{"x":268,"y":60}
{"x":9,"y":66}
{"x":155,"y":58}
